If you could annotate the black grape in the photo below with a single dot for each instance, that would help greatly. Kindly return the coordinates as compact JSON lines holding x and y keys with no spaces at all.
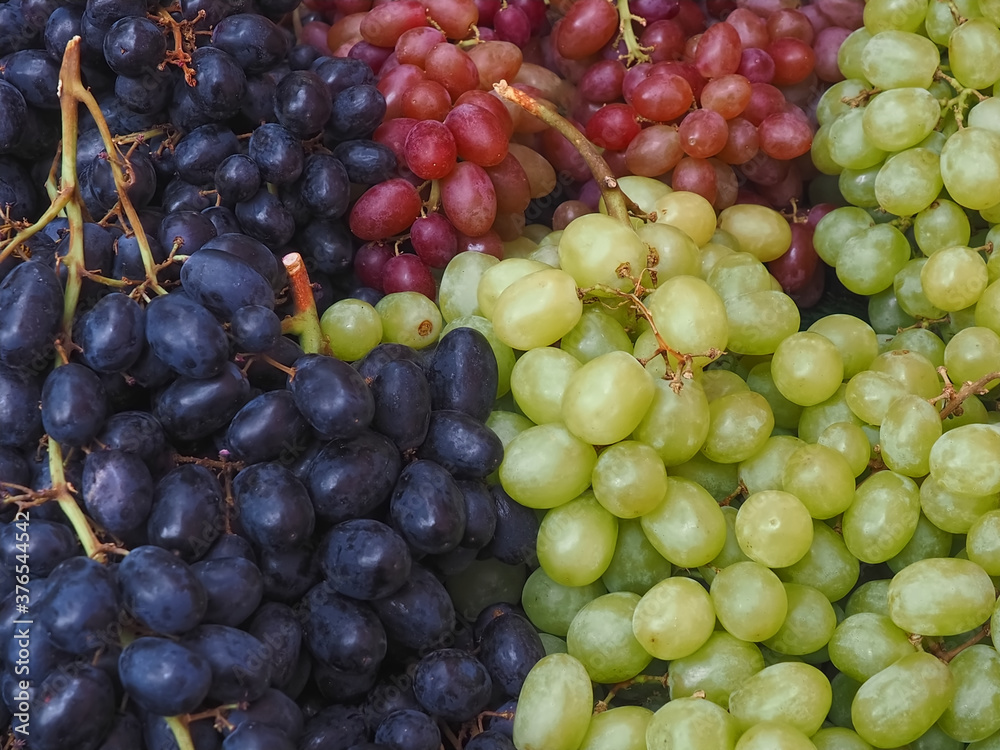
{"x":420,"y":615}
{"x":237,"y":178}
{"x":452,"y":684}
{"x":509,"y":647}
{"x":480,"y":513}
{"x":17,"y":192}
{"x":351,"y":478}
{"x":186,"y":516}
{"x":13,"y":470}
{"x":258,"y":104}
{"x":302,"y":56}
{"x":255,"y":328}
{"x":99,"y":180}
{"x":274,"y":506}
{"x":105,"y":12}
{"x":30,"y":307}
{"x":366,"y":161}
{"x":402,"y":403}
{"x":277,"y":626}
{"x":230,"y":545}
{"x":163,"y":677}
{"x":364,"y":559}
{"x":382,"y":354}
{"x":192,"y":408}
{"x":341,"y":632}
{"x":254,"y":41}
{"x":240,"y":668}
{"x":428,"y":509}
{"x":252,"y":252}
{"x":117,"y":490}
{"x":302,"y":103}
{"x":413,"y":730}
{"x":127,"y":262}
{"x":267,"y":378}
{"x":223,"y":283}
{"x":125,"y":734}
{"x":288,"y":574}
{"x":340,"y":73}
{"x":516,"y":534}
{"x":325,"y":187}
{"x":79,"y":606}
{"x":136,"y":432}
{"x":332,"y":396}
{"x":187,"y":229}
{"x":223,"y":219}
{"x":161,"y":591}
{"x":145,"y":93}
{"x":72,"y":710}
{"x":277,"y":152}
{"x":221,"y":83}
{"x":20,"y":417}
{"x":334,"y":728}
{"x":328,"y":245}
{"x":265,"y":218}
{"x":357,"y":111}
{"x":234,"y":587}
{"x":199,"y":153}
{"x":185,"y":336}
{"x":268,"y":428}
{"x":183,"y":197}
{"x":462,"y":444}
{"x":463,"y":373}
{"x":343,"y":686}
{"x":36,"y":75}
{"x":74,"y":404}
{"x":490,"y":740}
{"x":112,"y":333}
{"x":274,"y":709}
{"x":48,"y":544}
{"x":14,"y":118}
{"x":132,"y":45}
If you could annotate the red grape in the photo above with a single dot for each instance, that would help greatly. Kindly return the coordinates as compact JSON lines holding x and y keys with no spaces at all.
{"x":742,"y":143}
{"x":751,"y":28}
{"x":468,"y":199}
{"x":452,"y":68}
{"x":385,"y":209}
{"x":756,"y":65}
{"x":789,"y":22}
{"x":430,"y":150}
{"x":613,"y":126}
{"x":369,"y":261}
{"x":510,"y":182}
{"x":662,"y":98}
{"x":384,"y":24}
{"x":654,"y":152}
{"x":602,"y":83}
{"x":727,"y":95}
{"x":795,"y":268}
{"x":426,"y":100}
{"x":666,"y":40}
{"x":695,"y":176}
{"x":793,"y":59}
{"x":588,"y":26}
{"x":434,"y":240}
{"x":487,"y":243}
{"x":765,"y":100}
{"x":512,"y":25}
{"x":784,"y":135}
{"x":395,"y":84}
{"x":492,"y":103}
{"x":567,"y":211}
{"x":455,"y":17}
{"x":825,"y":48}
{"x":703,"y":133}
{"x":718,"y":51}
{"x":413,"y":45}
{"x":479,"y":136}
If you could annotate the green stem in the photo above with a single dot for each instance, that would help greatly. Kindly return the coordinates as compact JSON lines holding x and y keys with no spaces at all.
{"x":304,"y":323}
{"x":636,"y":52}
{"x":67,"y":503}
{"x":182,"y":735}
{"x":58,"y":204}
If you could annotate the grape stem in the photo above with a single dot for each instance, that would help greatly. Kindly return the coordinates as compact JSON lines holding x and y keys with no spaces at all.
{"x":91,"y":546}
{"x":636,"y":52}
{"x":955,"y":398}
{"x":304,"y":323}
{"x":640,"y":679}
{"x":946,"y":656}
{"x":182,"y":734}
{"x":614,"y":198}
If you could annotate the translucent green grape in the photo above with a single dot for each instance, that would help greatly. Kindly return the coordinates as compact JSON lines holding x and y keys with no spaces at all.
{"x":817,"y":418}
{"x":749,"y":600}
{"x":764,"y":470}
{"x":621,"y":728}
{"x":897,"y":59}
{"x":497,"y":278}
{"x":927,"y":541}
{"x":688,"y":527}
{"x":774,"y":528}
{"x":967,"y":459}
{"x":601,"y":637}
{"x":828,"y":566}
{"x":850,"y":145}
{"x":974,"y":53}
{"x":954,"y":512}
{"x":974,"y":712}
{"x":838,"y":738}
{"x":908,"y":432}
{"x":458,"y":293}
{"x":539,"y":379}
{"x":850,"y":441}
{"x":353,"y":328}
{"x":972,"y":354}
{"x":909,"y":181}
{"x":882,"y":517}
{"x":871,"y":596}
{"x":677,"y":254}
{"x":899,"y":119}
{"x":941,"y":596}
{"x":970,"y":167}
{"x":409,"y":318}
{"x":739,"y":425}
{"x":920,"y":340}
{"x":868,"y":262}
{"x":594,"y":246}
{"x":786,"y":414}
{"x":821,"y":478}
{"x":690,"y":316}
{"x":718,"y":479}
{"x":674,"y":618}
{"x":855,"y":340}
{"x":792,"y":693}
{"x":774,"y":735}
{"x":849,"y":56}
{"x":606,"y":398}
{"x":718,"y":383}
{"x":807,"y":368}
{"x":909,"y":289}
{"x":691,"y":722}
{"x":943,"y":224}
{"x":838,"y":226}
{"x":809,"y":622}
{"x":546,"y":466}
{"x":636,"y":566}
{"x":557,"y":703}
{"x":676,"y":423}
{"x":885,"y":314}
{"x":760,"y":321}
{"x":595,"y":334}
{"x":866,"y":643}
{"x":537,"y":309}
{"x":551,"y":606}
{"x":954,"y":278}
{"x":857,"y":186}
{"x":912,"y":369}
{"x":629,"y":479}
{"x":831,"y":104}
{"x":983,"y":542}
{"x":576,"y":541}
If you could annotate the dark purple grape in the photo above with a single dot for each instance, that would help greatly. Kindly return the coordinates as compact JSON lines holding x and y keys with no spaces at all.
{"x":258,"y":104}
{"x":74,"y":405}
{"x":125,"y":734}
{"x":268,"y":378}
{"x":340,"y":73}
{"x":463,"y":373}
{"x":163,"y":677}
{"x":62,"y":25}
{"x":377,"y":358}
{"x":408,"y":730}
{"x":72,"y":710}
{"x":48,"y":543}
{"x":332,"y":396}
{"x":357,"y":111}
{"x":277,"y":626}
{"x":515,"y":538}
{"x":231,"y":545}
{"x":341,"y":632}
{"x":427,"y":508}
{"x":237,"y":178}
{"x":274,"y":709}
{"x":117,"y":490}
{"x":223,"y":283}
{"x":146,"y":92}
{"x":136,"y":432}
{"x":199,"y":153}
{"x":302,"y":103}
{"x":266,"y":219}
{"x":104,"y":13}
{"x":490,"y":740}
{"x":112,"y":333}
{"x":30,"y":307}
{"x":274,"y":506}
{"x":128,"y":257}
{"x":366,"y":161}
{"x":277,"y":152}
{"x":268,"y":428}
{"x":14,"y":470}
{"x":240,"y":668}
{"x":134,"y":44}
{"x":364,"y":559}
{"x":221,"y":83}
{"x":37,"y":12}
{"x":465,"y":446}
{"x":181,"y":196}
{"x":185,"y":336}
{"x":99,"y":179}
{"x":255,"y":42}
{"x":325,"y":187}
{"x":255,"y":328}
{"x":254,"y":253}
{"x":328,"y":245}
{"x":302,"y":56}
{"x":35,"y":74}
{"x":15,"y":31}
{"x":352,"y":477}
{"x":402,"y":403}
{"x":509,"y":648}
{"x":223,"y":219}
{"x":452,"y":684}
{"x":215,"y":11}
{"x":480,"y":514}
{"x":420,"y":615}
{"x":161,"y":591}
{"x":13,"y":117}
{"x":334,"y":728}
{"x":79,"y":606}
{"x":193,"y":408}
{"x":17,"y":191}
{"x":158,"y":735}
{"x":288,"y":574}
{"x":186,"y":229}
{"x":343,"y":686}
{"x":186,"y":517}
{"x":234,"y":586}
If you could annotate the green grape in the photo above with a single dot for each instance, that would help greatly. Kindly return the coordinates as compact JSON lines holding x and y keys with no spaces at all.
{"x":838,"y":738}
{"x":551,"y":606}
{"x":855,"y":340}
{"x":936,"y":140}
{"x":967,"y":460}
{"x":689,"y":212}
{"x":503,"y":353}
{"x":636,"y":566}
{"x":927,"y":541}
{"x":739,"y":425}
{"x":792,"y":693}
{"x":866,"y":643}
{"x":722,"y":237}
{"x":676,"y":253}
{"x":595,"y":334}
{"x":844,"y":690}
{"x":691,"y":722}
{"x":647,"y":349}
{"x":943,"y":224}
{"x":982,"y":543}
{"x":817,"y":418}
{"x":786,"y":414}
{"x":935,"y":739}
{"x":974,"y":53}
{"x":954,"y":278}
{"x":907,"y":433}
{"x":903,"y":701}
{"x":731,"y":552}
{"x":920,"y":340}
{"x":761,"y":231}
{"x":828,"y":566}
{"x":749,"y":600}
{"x":576,"y":541}
{"x":537,"y":309}
{"x":973,"y":412}
{"x":547,"y":254}
{"x":622,"y":728}
{"x":737,"y":274}
{"x":885,"y":314}
{"x":850,"y":441}
{"x":871,"y":596}
{"x":908,"y":286}
{"x":601,"y":637}
{"x":764,"y":470}
{"x":821,"y":478}
{"x":538,"y":381}
{"x":773,"y":735}
{"x":850,"y":55}
{"x":688,"y":527}
{"x":759,"y":321}
{"x":555,"y":705}
{"x":869,"y":261}
{"x":409,"y":318}
{"x":909,"y":181}
{"x":643,"y":191}
{"x":808,"y":625}
{"x":912,"y":369}
{"x":899,"y":59}
{"x":352,"y":327}
{"x":552,"y":644}
{"x":774,"y":528}
{"x":838,"y":226}
{"x":831,"y":104}
{"x":972,"y":354}
{"x":718,"y":383}
{"x":718,"y":479}
{"x":676,"y":423}
{"x":593,"y":248}
{"x":974,"y":712}
{"x":711,"y":253}
{"x":483,"y":583}
{"x":690,"y":316}
{"x":970,"y":167}
{"x":983,"y":115}
{"x":870,"y":394}
{"x":674,"y":618}
{"x":458,"y":293}
{"x":903,"y":15}
{"x":497,"y":278}
{"x":718,"y":668}
{"x":850,"y":146}
{"x":954,"y":512}
{"x":941,"y":596}
{"x":822,"y":156}
{"x":882,"y":517}
{"x":629,"y":479}
{"x":807,"y":368}
{"x":857,"y":186}
{"x":507,"y":425}
{"x":546,"y":466}
{"x":990,"y":743}
{"x":605,"y":399}
{"x":899,"y":119}
{"x":988,"y":308}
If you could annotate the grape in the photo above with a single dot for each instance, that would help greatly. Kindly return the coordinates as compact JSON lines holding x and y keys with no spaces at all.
{"x":555,"y":705}
{"x":674,"y":618}
{"x":749,"y":600}
{"x":606,"y":398}
{"x":828,"y":566}
{"x":629,"y":479}
{"x":692,"y":719}
{"x":526,"y":472}
{"x":809,"y":623}
{"x":807,"y":368}
{"x":773,"y":734}
{"x":593,"y":248}
{"x":595,"y":334}
{"x":865,"y":643}
{"x":797,"y":695}
{"x":690,"y":316}
{"x":547,"y":296}
{"x":961,"y":460}
{"x":619,"y":728}
{"x":941,"y":596}
{"x":688,"y":527}
{"x":900,"y":118}
{"x":774,"y":528}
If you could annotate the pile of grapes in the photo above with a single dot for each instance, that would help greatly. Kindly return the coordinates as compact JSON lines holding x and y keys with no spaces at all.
{"x":492,"y":374}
